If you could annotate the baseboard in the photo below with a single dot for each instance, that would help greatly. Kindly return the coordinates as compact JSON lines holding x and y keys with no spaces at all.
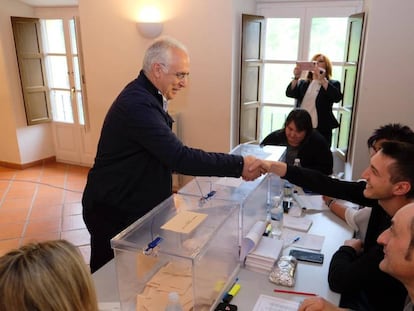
{"x":18,"y":166}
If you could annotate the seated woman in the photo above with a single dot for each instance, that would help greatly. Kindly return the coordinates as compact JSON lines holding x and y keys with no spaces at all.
{"x":302,"y":142}
{"x":44,"y":276}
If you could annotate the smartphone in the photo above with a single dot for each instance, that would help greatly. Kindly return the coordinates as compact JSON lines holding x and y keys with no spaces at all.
{"x":308,"y":66}
{"x":307,"y":256}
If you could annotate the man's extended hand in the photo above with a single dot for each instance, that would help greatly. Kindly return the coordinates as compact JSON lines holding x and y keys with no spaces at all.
{"x":249,"y":174}
{"x":265,"y":166}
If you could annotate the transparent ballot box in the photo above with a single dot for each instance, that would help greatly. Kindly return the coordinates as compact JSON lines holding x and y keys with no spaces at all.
{"x":183,"y":245}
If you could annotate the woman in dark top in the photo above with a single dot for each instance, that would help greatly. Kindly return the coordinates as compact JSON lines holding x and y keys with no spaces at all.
{"x":316,"y":94}
{"x":302,"y":142}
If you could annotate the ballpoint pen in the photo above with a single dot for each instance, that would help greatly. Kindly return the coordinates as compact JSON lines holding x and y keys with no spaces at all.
{"x":293,"y":242}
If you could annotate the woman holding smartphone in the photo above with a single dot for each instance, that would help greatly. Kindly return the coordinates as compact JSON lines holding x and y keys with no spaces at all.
{"x":317,"y":93}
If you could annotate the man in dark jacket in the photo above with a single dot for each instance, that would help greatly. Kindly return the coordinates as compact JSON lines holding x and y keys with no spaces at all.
{"x":389,"y":185}
{"x":137,"y":151}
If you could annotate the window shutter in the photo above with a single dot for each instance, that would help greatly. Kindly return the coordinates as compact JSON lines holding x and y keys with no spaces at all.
{"x":27,"y":39}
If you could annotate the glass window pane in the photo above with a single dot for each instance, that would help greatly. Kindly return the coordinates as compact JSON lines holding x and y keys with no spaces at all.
{"x":276,"y":79}
{"x":57,"y":70}
{"x":54,"y":39}
{"x":328,"y":37}
{"x":273,"y":118}
{"x":61,"y":106}
{"x":282,"y":38}
{"x":72,"y":32}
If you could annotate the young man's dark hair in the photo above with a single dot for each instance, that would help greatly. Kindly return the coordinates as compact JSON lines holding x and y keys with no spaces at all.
{"x":391,"y":131}
{"x":403,"y":168}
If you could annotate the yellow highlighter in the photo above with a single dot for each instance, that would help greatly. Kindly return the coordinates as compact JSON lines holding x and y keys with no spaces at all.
{"x":232,"y":292}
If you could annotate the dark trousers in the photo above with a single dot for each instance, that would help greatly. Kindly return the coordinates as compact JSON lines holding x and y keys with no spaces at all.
{"x":102,"y":231}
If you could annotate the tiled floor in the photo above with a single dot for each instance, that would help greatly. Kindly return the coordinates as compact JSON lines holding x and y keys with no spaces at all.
{"x":42,"y":203}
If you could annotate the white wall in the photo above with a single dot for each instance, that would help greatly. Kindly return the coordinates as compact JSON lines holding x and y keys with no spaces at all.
{"x":113,"y":52}
{"x":386,"y":81}
{"x":211,"y":29}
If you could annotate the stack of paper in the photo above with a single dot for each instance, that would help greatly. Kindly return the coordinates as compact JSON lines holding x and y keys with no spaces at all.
{"x":297,"y":223}
{"x":264,"y":255}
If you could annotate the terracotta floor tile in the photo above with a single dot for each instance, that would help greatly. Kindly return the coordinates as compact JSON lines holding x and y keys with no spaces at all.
{"x":77,"y":237}
{"x":47,"y":236}
{"x":72,"y":208}
{"x":4,"y":185}
{"x":7,"y":245}
{"x":73,"y":222}
{"x":76,"y":185}
{"x":43,"y":203}
{"x":40,"y":226}
{"x":73,"y":197}
{"x":44,"y":200}
{"x":21,"y":190}
{"x":86,"y":253}
{"x":2,"y":194}
{"x":32,"y":174}
{"x":46,"y":211}
{"x":6,"y":173}
{"x":49,"y":192}
{"x":18,"y":215}
{"x":54,"y":169}
{"x":11,"y":230}
{"x":57,"y":181}
{"x":18,"y":203}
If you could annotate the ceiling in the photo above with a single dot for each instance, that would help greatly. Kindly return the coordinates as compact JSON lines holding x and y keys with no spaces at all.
{"x":50,"y":3}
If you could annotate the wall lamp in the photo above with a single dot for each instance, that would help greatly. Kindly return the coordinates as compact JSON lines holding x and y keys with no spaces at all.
{"x":150,"y":29}
{"x":149,"y":22}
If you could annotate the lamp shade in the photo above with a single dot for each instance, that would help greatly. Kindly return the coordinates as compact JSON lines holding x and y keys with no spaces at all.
{"x":150,"y":29}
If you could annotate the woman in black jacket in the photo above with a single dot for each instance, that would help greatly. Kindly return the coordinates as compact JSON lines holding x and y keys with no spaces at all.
{"x":302,"y":142}
{"x":316,"y":94}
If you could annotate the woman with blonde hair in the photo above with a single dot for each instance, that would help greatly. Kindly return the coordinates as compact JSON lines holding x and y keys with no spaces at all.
{"x":46,"y":276}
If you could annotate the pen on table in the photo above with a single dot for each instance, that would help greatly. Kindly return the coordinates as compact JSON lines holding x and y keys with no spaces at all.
{"x":293,"y":292}
{"x":293,"y":242}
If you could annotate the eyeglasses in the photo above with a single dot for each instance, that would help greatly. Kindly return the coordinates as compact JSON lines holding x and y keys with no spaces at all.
{"x":179,"y":75}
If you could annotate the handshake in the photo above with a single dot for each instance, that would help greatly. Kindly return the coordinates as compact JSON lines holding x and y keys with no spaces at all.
{"x":254,"y":167}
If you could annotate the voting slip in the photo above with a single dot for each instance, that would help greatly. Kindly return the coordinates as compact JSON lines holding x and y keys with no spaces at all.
{"x":184,"y":222}
{"x":297,"y":223}
{"x":303,"y":240}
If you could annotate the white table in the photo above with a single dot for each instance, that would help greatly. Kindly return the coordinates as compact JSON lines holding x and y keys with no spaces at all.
{"x":309,"y":277}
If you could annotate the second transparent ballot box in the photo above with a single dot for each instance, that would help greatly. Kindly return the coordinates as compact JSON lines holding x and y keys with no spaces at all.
{"x":254,"y":197}
{"x":228,"y":188}
{"x":184,"y":245}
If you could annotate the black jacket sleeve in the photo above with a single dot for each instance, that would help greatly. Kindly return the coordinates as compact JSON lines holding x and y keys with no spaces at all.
{"x":323,"y":184}
{"x":360,"y":276}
